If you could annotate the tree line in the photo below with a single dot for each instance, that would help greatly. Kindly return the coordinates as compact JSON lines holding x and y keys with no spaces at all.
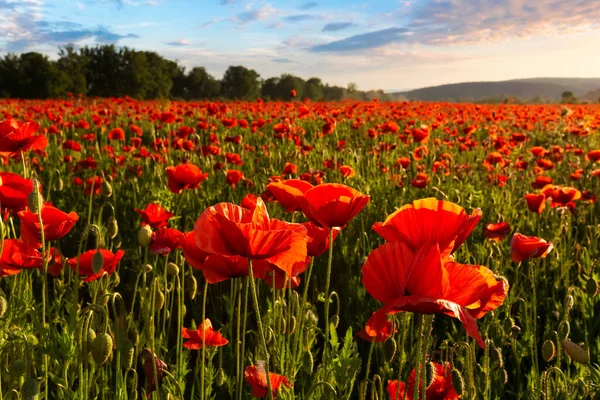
{"x":108,"y":71}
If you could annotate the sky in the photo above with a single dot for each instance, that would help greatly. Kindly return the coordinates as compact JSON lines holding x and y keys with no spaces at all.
{"x":378,"y":44}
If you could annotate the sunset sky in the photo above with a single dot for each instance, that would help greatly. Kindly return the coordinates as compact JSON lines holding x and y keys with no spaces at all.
{"x":383,"y":44}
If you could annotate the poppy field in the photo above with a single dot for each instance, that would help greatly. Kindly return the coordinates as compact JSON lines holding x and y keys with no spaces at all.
{"x":310,"y":250}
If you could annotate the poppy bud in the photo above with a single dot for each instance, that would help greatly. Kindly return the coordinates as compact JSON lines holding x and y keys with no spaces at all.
{"x":220,"y":378}
{"x":127,"y":352}
{"x":107,"y":189}
{"x":147,"y":268}
{"x":564,"y":328}
{"x":59,"y":184}
{"x":308,"y":362}
{"x":91,"y":336}
{"x":516,"y":330}
{"x":575,"y":352}
{"x":94,"y":238}
{"x":172,"y":269}
{"x":3,"y":306}
{"x":458,"y":382}
{"x":145,"y":236}
{"x":159,"y":301}
{"x":292,"y":325}
{"x":113,"y":228}
{"x":335,"y":321}
{"x":429,"y":374}
{"x":18,"y":367}
{"x":591,"y":287}
{"x":102,"y":348}
{"x":35,"y":200}
{"x":191,"y":286}
{"x":97,"y":262}
{"x":1,"y":229}
{"x":117,"y":241}
{"x":548,"y":350}
{"x":570,"y":302}
{"x":30,"y":389}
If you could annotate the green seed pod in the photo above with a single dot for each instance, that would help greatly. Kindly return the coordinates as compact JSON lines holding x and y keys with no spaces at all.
{"x":145,"y":236}
{"x":159,"y":301}
{"x":94,"y":238}
{"x":191,"y":286}
{"x":97,"y":262}
{"x":548,"y":350}
{"x":429,"y":374}
{"x":127,"y":351}
{"x":18,"y":367}
{"x":112,"y":229}
{"x":458,"y":382}
{"x":3,"y":306}
{"x":564,"y":329}
{"x":591,"y":287}
{"x":389,"y":349}
{"x":59,"y":184}
{"x":102,"y":348}
{"x":30,"y":389}
{"x":107,"y":189}
{"x":308,"y":362}
{"x":35,"y":201}
{"x":575,"y":351}
{"x":220,"y":378}
{"x":172,"y":269}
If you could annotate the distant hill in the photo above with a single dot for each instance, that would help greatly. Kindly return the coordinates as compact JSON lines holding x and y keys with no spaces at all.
{"x":549,"y":89}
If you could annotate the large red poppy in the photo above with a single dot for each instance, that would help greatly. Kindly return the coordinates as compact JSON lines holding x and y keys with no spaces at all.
{"x":16,"y":137}
{"x":230,"y":230}
{"x":536,"y":202}
{"x":17,"y":255}
{"x":525,"y":247}
{"x":440,"y":388}
{"x":257,"y":379}
{"x":111,"y":260}
{"x":184,"y":176}
{"x":429,"y":221}
{"x":192,"y":254}
{"x":332,"y":205}
{"x":154,"y":215}
{"x":164,"y":241}
{"x":317,"y":239}
{"x":57,"y":224}
{"x":289,"y":192}
{"x":194,"y":340}
{"x":14,"y":190}
{"x":427,"y":281}
{"x":377,"y":329}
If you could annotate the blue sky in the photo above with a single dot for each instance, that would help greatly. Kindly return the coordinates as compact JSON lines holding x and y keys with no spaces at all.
{"x":385,"y":44}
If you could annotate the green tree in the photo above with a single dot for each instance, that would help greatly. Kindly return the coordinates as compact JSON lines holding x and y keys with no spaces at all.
{"x":240,"y":83}
{"x":72,"y":67}
{"x":9,"y":70}
{"x":313,"y":89}
{"x":286,"y":84}
{"x":199,"y":84}
{"x":269,"y":89}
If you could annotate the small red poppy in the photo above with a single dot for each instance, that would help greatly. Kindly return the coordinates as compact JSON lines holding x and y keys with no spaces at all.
{"x":525,"y":247}
{"x":195,"y":341}
{"x":184,"y":176}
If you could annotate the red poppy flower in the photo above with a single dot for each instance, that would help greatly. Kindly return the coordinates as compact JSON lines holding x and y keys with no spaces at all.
{"x":347,"y":171}
{"x":317,"y":239}
{"x":57,"y":224}
{"x":249,"y":201}
{"x":561,"y":195}
{"x":111,"y":260}
{"x":55,"y":265}
{"x":234,"y":177}
{"x":497,"y":231}
{"x":154,"y":215}
{"x":212,"y":338}
{"x":164,"y":241}
{"x":536,"y":202}
{"x":440,"y":388}
{"x":427,"y":281}
{"x":420,"y":181}
{"x":541,"y":181}
{"x":332,"y":205}
{"x":94,"y":183}
{"x":593,"y":155}
{"x":184,"y":176}
{"x":17,"y":255}
{"x":116,"y":134}
{"x":278,"y":279}
{"x":377,"y":329}
{"x":290,"y":169}
{"x":289,"y":192}
{"x":16,"y":137}
{"x":429,"y":221}
{"x":257,"y":379}
{"x":14,"y":190}
{"x":525,"y":247}
{"x":192,"y":254}
{"x":230,"y":230}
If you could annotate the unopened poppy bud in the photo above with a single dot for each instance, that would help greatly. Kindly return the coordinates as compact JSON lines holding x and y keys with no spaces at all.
{"x":147,"y":268}
{"x":575,"y":351}
{"x":94,"y":238}
{"x":18,"y":367}
{"x":308,"y":362}
{"x":30,"y":389}
{"x":335,"y":321}
{"x":102,"y":348}
{"x":172,"y":269}
{"x":112,"y":229}
{"x":91,"y":336}
{"x":292,"y":325}
{"x":59,"y":184}
{"x":107,"y":189}
{"x":127,"y":352}
{"x":548,"y":350}
{"x":429,"y":374}
{"x":97,"y":262}
{"x":191,"y":286}
{"x":516,"y":330}
{"x":3,"y":306}
{"x":591,"y":287}
{"x":458,"y":382}
{"x":159,"y":301}
{"x":220,"y":378}
{"x":35,"y":201}
{"x":564,"y":329}
{"x":118,"y":241}
{"x":145,"y":236}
